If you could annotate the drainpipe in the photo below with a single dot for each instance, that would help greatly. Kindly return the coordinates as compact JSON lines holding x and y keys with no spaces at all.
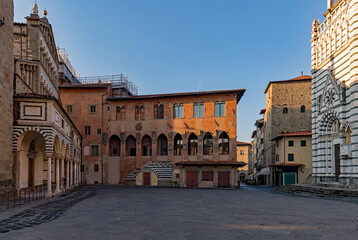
{"x":102,"y":136}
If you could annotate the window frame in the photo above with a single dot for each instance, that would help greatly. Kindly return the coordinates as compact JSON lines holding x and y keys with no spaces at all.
{"x":303,"y":143}
{"x":291,"y":157}
{"x":94,"y":106}
{"x":291,"y":143}
{"x":92,"y":152}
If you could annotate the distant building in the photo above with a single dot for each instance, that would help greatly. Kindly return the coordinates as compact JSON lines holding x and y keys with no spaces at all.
{"x":261,"y":172}
{"x":244,"y":154}
{"x":334,"y":94}
{"x":67,"y":73}
{"x":288,"y":108}
{"x":293,"y":163}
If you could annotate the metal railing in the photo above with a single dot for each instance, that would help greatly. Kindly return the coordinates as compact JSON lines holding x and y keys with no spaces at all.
{"x":22,"y":196}
{"x":117,"y":81}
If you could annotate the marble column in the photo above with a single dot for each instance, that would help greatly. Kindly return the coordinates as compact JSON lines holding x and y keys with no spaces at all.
{"x":57,"y":175}
{"x":49,"y":180}
{"x":67,"y":174}
{"x":62,"y":172}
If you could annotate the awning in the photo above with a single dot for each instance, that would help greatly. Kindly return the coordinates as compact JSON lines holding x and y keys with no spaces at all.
{"x":264,"y":171}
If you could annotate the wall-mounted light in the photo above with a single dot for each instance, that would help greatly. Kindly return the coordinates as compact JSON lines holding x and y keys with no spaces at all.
{"x":2,"y":22}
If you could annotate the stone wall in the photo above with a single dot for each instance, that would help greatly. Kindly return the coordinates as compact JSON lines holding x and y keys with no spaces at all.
{"x":6,"y":88}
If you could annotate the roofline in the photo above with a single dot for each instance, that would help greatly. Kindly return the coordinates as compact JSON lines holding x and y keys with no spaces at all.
{"x":298,"y":79}
{"x":55,"y":99}
{"x":280,"y":136}
{"x":94,"y":85}
{"x":239,"y":94}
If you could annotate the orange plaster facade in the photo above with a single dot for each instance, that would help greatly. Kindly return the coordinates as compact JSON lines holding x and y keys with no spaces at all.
{"x":133,"y":148}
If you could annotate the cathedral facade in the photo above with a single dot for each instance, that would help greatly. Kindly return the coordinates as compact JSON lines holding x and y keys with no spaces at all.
{"x":335,"y":94}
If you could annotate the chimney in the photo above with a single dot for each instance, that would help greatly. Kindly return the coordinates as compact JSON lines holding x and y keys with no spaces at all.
{"x":301,"y":73}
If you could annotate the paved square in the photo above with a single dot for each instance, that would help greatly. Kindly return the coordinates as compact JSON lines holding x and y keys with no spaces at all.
{"x":170,"y":213}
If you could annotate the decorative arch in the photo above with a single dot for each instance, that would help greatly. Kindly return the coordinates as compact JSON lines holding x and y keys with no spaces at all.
{"x":223,"y":144}
{"x":131,"y":146}
{"x":146,"y":145}
{"x":114,"y":146}
{"x":208,"y":144}
{"x":327,"y":120}
{"x":192,"y":144}
{"x":178,"y":145}
{"x":162,"y":145}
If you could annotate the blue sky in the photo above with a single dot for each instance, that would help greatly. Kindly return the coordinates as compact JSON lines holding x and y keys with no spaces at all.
{"x":186,"y":45}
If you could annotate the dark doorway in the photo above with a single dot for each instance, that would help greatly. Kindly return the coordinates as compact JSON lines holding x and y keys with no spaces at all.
{"x":146,"y":179}
{"x":224,"y":179}
{"x":31,"y":172}
{"x":337,"y":162}
{"x":191,"y":178}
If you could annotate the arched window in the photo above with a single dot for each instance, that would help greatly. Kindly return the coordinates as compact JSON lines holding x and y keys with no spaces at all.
{"x":123,"y":113}
{"x":224,"y":144}
{"x":118,"y":113}
{"x":178,"y":145}
{"x":193,"y":144}
{"x":114,"y":146}
{"x":285,"y":109}
{"x":137,"y":113}
{"x":142,"y":113}
{"x":162,"y":144}
{"x":146,"y":146}
{"x":130,"y":146}
{"x":208,"y":144}
{"x":159,"y":111}
{"x":303,"y":108}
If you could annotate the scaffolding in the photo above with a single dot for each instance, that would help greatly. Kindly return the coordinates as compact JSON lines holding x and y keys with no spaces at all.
{"x":117,"y":81}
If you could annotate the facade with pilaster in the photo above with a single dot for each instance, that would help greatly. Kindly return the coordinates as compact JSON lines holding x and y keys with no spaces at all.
{"x":335,"y":94}
{"x":45,"y":142}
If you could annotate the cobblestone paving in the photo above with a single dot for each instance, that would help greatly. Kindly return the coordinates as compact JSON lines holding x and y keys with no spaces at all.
{"x":45,"y":212}
{"x":173,"y":213}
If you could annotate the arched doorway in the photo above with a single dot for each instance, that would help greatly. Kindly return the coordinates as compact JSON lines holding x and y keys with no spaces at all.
{"x":31,"y":157}
{"x":146,"y":146}
{"x":114,"y":159}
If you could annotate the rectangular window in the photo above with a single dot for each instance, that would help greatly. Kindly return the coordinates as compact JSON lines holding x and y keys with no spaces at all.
{"x":219,"y":109}
{"x":242,"y":152}
{"x":99,"y":131}
{"x":303,"y":143}
{"x":291,"y":157}
{"x":93,"y":108}
{"x":96,"y":167}
{"x":62,"y":123}
{"x":94,"y":150}
{"x":108,"y":108}
{"x":87,"y":130}
{"x":207,"y":176}
{"x":277,"y":157}
{"x":69,"y":108}
{"x":201,"y":110}
{"x":290,"y":143}
{"x":178,"y":110}
{"x":196,"y":110}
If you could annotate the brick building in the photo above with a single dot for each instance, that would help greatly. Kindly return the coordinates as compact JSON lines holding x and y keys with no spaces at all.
{"x":6,"y":90}
{"x":184,"y":139}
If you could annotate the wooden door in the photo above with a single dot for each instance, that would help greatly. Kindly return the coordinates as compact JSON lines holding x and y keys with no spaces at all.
{"x":224,"y":179}
{"x":191,"y":178}
{"x":146,"y":179}
{"x":337,"y":161}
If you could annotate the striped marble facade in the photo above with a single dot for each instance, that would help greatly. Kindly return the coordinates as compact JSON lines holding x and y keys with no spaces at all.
{"x":335,"y":95}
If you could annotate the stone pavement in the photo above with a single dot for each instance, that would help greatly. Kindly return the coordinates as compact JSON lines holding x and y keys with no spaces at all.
{"x":172,"y":213}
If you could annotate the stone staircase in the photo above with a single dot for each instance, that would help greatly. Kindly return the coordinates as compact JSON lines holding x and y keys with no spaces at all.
{"x":317,"y":191}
